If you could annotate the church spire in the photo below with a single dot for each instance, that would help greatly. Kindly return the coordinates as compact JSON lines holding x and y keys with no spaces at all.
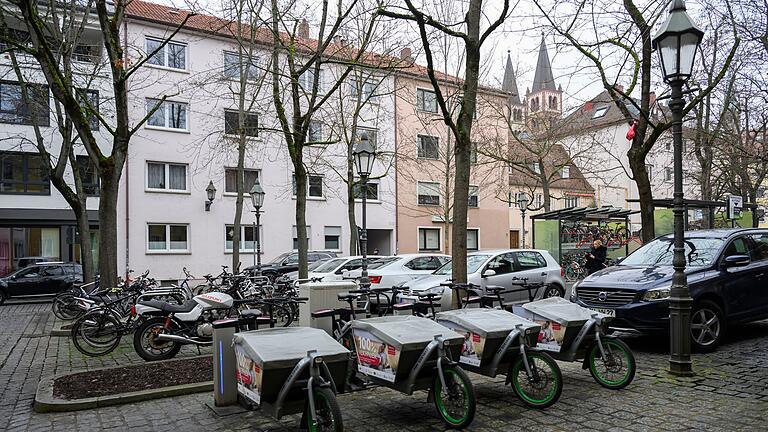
{"x":509,"y":85}
{"x":543,"y":78}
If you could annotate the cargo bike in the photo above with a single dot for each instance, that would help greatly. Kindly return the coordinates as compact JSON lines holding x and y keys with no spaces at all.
{"x":405,"y":353}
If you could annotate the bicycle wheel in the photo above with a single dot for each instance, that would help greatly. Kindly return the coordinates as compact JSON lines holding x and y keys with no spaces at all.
{"x":617,"y":369}
{"x":62,"y":306}
{"x":455,"y":403}
{"x":570,"y":274}
{"x":543,"y":386}
{"x":327,"y":412}
{"x":97,"y":333}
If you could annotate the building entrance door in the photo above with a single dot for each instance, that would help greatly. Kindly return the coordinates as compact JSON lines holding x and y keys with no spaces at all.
{"x":514,"y":239}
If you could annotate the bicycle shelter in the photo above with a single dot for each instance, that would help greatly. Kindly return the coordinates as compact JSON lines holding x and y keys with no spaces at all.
{"x":664,"y":220}
{"x":568,"y":232}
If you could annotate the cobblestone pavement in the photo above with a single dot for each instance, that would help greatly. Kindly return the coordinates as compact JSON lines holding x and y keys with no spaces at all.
{"x":729,"y":392}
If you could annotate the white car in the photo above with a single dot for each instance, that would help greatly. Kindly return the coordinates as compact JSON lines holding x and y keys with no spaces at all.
{"x":401,"y":268}
{"x":336,"y":268}
{"x":498,"y":268}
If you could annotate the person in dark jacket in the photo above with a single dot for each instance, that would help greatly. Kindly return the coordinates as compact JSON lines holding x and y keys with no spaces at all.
{"x":596,"y":257}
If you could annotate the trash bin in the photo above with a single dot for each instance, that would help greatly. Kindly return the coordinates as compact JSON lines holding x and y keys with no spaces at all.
{"x":265,"y":359}
{"x":321,"y":295}
{"x":484,"y":331}
{"x":560,"y":321}
{"x":388,"y":347}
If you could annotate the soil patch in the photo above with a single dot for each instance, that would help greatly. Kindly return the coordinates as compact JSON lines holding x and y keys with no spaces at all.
{"x":133,"y":378}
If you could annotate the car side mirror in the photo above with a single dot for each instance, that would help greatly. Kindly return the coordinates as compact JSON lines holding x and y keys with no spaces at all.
{"x":736,"y":261}
{"x":489,"y":272}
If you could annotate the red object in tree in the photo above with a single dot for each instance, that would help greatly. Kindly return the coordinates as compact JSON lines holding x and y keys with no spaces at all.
{"x":631,"y":131}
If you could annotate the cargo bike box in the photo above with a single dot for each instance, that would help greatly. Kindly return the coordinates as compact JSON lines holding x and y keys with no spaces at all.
{"x":274,"y":366}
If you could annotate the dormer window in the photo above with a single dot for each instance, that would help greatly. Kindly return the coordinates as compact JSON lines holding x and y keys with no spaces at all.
{"x":600,"y":112}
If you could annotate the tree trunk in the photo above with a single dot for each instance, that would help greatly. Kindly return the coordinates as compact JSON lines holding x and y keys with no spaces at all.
{"x":545,"y":191}
{"x":301,"y":207}
{"x":240,"y":193}
{"x":637,"y":164}
{"x":84,"y":229}
{"x":110,"y":180}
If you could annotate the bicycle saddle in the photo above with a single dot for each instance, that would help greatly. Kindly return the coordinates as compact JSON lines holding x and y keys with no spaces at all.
{"x":250,"y":313}
{"x":494,"y":288}
{"x":346,"y":296}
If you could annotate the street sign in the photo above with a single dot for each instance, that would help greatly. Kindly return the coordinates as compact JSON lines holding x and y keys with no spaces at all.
{"x":734,"y":206}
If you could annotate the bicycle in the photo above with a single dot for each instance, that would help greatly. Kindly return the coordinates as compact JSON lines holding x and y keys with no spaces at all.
{"x":99,"y":331}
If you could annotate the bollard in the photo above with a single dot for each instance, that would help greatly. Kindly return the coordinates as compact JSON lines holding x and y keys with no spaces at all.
{"x":224,"y":363}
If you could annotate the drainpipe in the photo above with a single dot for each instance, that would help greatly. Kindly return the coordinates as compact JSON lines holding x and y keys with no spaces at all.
{"x":127,"y":171}
{"x":397,"y":225}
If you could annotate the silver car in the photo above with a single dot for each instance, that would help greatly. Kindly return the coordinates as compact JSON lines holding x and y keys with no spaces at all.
{"x":500,"y":268}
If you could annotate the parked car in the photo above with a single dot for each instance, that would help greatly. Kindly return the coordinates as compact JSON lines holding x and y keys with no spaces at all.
{"x":727,"y":272}
{"x":499,"y":268}
{"x":401,"y":268}
{"x":288,"y":262}
{"x":27,"y":261}
{"x":338,"y":268}
{"x":311,"y":266}
{"x":39,"y":280}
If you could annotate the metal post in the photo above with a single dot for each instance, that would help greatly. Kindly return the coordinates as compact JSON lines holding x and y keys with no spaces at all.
{"x":364,"y":233}
{"x":254,"y":254}
{"x":522,"y":211}
{"x":258,"y":240}
{"x":680,"y":298}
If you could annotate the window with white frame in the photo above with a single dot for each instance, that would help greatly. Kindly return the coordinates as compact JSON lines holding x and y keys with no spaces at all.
{"x":230,"y":179}
{"x":536,"y":168}
{"x":168,"y":115}
{"x":247,"y":238}
{"x":314,"y":186}
{"x":668,"y":174}
{"x":473,"y":153}
{"x":428,"y":193}
{"x":89,"y":103}
{"x":364,"y":88}
{"x":428,"y":147}
{"x":426,"y":100}
{"x":307,"y":79}
{"x":566,"y":173}
{"x":366,"y":134}
{"x":232,"y":123}
{"x":332,"y":238}
{"x":429,"y":239}
{"x":167,"y":238}
{"x":172,"y":55}
{"x":538,"y":200}
{"x":474,"y":199}
{"x":315,"y":132}
{"x":169,"y":177}
{"x":571,"y":201}
{"x":234,"y":63}
{"x":296,"y":237}
{"x":473,"y":239}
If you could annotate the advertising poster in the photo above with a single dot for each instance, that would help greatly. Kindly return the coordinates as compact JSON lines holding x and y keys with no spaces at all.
{"x":248,"y":376}
{"x":375,"y":357}
{"x":550,"y":336}
{"x":472,"y":351}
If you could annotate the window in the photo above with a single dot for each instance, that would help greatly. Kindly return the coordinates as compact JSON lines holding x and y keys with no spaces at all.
{"x":172,"y":55}
{"x":553,"y":102}
{"x":88,"y":175}
{"x":428,"y":147}
{"x":426,"y":100}
{"x":473,"y":153}
{"x":296,"y":238}
{"x":23,"y":173}
{"x":365,"y":134}
{"x":230,"y":179}
{"x":429,"y":239}
{"x":429,"y":263}
{"x":20,"y":37}
{"x":566,"y":171}
{"x":372,"y":188}
{"x":527,"y":260}
{"x":89,"y":103}
{"x":649,"y":170}
{"x":315,"y":132}
{"x":473,"y":239}
{"x":232,"y":65}
{"x":232,"y":122}
{"x":364,"y":88}
{"x":247,"y":238}
{"x":538,"y":200}
{"x":167,"y":238}
{"x":502,"y":264}
{"x":760,"y":251}
{"x":510,"y":200}
{"x":668,"y":145}
{"x":429,"y":193}
{"x":473,"y":201}
{"x":306,"y":81}
{"x":52,"y":271}
{"x":171,"y":115}
{"x":314,"y":186}
{"x":333,"y":238}
{"x":600,"y":112}
{"x":668,"y":174}
{"x":571,"y":201}
{"x":536,"y":168}
{"x":14,"y":110}
{"x":166,"y":176}
{"x":86,"y":53}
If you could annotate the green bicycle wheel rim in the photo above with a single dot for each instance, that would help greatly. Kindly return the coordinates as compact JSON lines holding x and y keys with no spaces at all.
{"x":599,"y":376}
{"x":439,"y":397}
{"x":516,"y":381}
{"x":310,"y":424}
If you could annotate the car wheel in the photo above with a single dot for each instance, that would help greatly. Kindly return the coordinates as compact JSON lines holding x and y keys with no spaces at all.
{"x":553,"y":291}
{"x":707,"y":326}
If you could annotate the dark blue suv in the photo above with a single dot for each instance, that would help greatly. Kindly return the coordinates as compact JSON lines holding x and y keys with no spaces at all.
{"x":727,"y":273}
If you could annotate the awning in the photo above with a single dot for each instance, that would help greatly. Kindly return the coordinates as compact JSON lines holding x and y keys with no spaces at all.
{"x":586,"y":213}
{"x":22,"y":217}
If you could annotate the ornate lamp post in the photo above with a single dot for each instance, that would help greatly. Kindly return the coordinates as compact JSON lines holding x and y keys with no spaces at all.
{"x":365,"y":155}
{"x":210,"y":193}
{"x":257,"y":199}
{"x":677,"y":41}
{"x":522,"y":204}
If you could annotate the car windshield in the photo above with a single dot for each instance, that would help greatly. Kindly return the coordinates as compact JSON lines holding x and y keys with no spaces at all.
{"x":699,"y":252}
{"x":473,"y":264}
{"x":313,"y":266}
{"x":330,"y":266}
{"x":278,"y":259}
{"x":380,"y":262}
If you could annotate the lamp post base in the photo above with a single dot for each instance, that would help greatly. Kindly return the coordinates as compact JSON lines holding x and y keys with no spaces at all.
{"x":683,"y":369}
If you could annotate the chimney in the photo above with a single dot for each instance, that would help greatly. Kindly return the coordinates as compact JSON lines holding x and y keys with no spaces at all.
{"x":588,"y":106}
{"x":406,"y":54}
{"x":304,"y":29}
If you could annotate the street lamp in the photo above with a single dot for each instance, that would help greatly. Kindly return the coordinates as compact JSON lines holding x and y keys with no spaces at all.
{"x":677,"y":41}
{"x":257,"y":199}
{"x":522,"y":204}
{"x":365,"y":155}
{"x":210,"y":193}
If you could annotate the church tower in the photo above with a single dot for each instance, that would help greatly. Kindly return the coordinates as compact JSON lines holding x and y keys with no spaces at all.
{"x":515,"y":106}
{"x":544,"y":101}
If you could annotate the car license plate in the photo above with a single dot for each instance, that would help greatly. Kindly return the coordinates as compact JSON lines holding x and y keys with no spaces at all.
{"x":609,"y":312}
